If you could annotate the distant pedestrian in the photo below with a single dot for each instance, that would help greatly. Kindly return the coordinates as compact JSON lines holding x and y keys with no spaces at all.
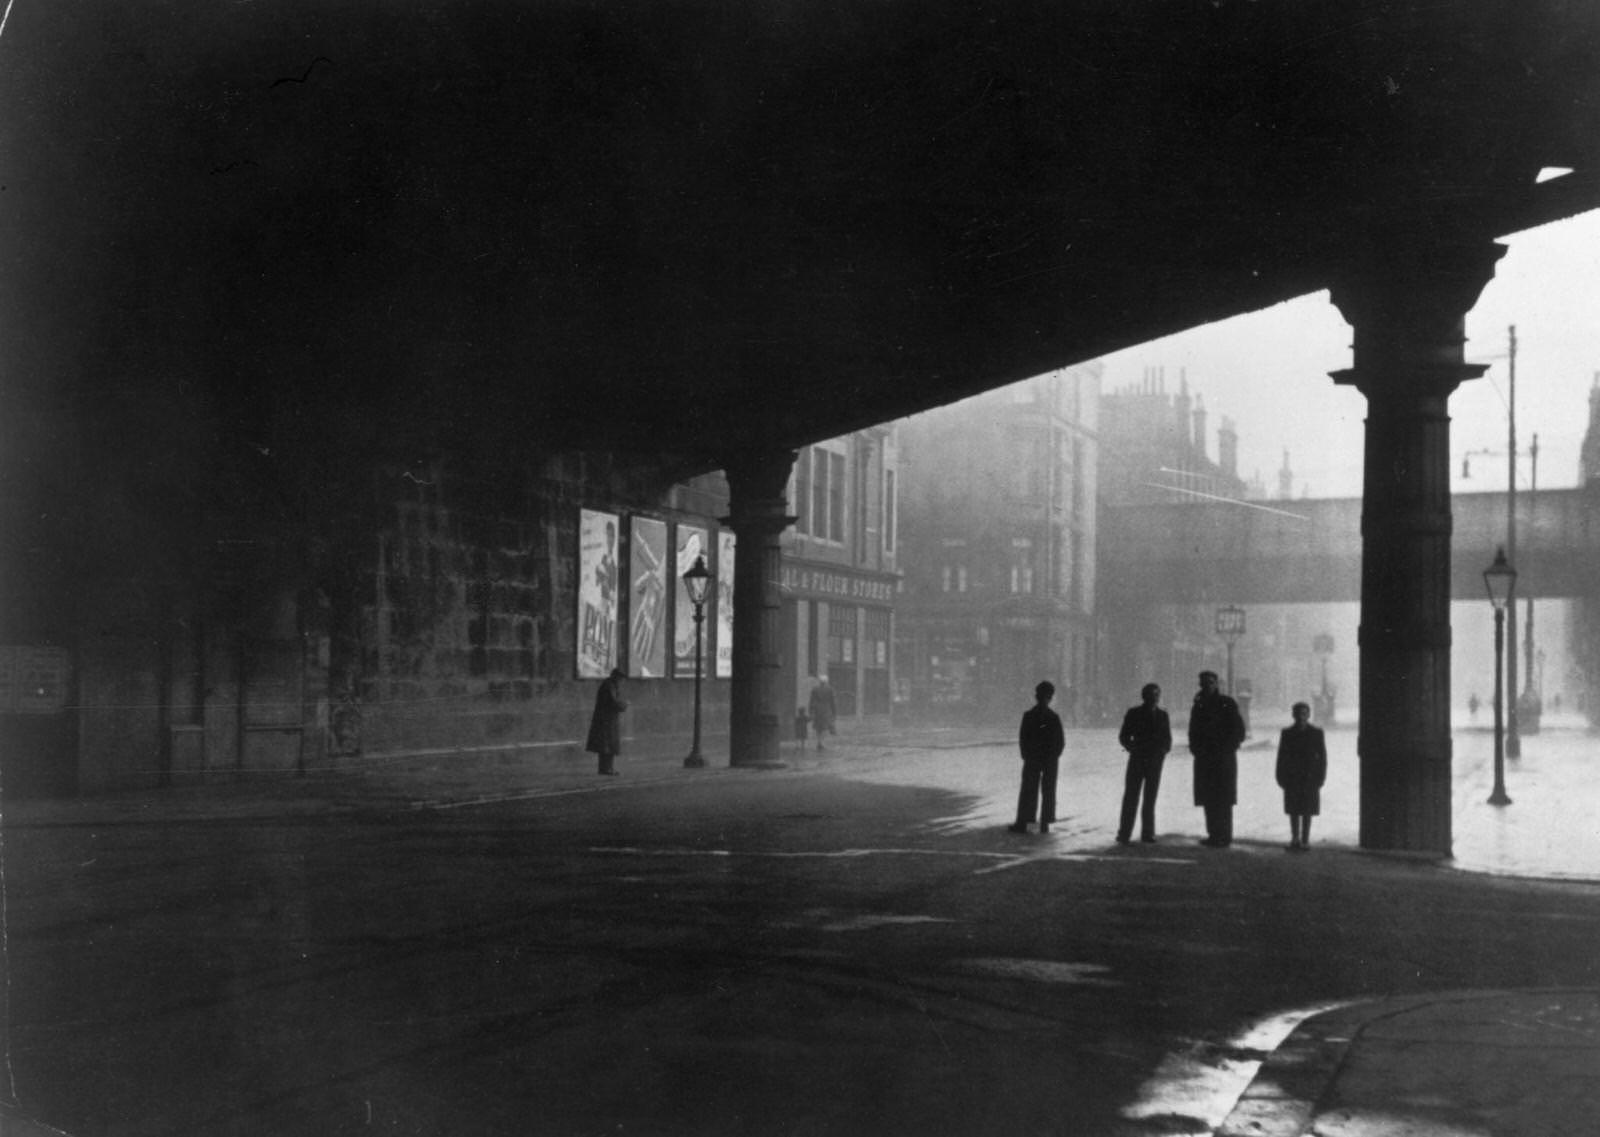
{"x":823,"y":710}
{"x":1041,"y":741}
{"x":605,"y":727}
{"x":1215,"y":731}
{"x":802,"y":724}
{"x":1146,"y":735}
{"x":1472,"y":706}
{"x":1302,"y":768}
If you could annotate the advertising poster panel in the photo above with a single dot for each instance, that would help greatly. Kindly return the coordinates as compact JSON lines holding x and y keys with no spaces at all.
{"x":724,"y":604}
{"x":647,"y":598}
{"x":692,"y":542}
{"x":597,"y":594}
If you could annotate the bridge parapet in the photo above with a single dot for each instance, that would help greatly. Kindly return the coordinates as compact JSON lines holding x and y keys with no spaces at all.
{"x":1309,"y":551}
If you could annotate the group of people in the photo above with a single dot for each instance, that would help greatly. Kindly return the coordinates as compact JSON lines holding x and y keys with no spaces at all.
{"x":1216,"y":731}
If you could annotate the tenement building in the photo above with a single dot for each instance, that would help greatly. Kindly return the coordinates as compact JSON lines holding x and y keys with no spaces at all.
{"x":998,"y":535}
{"x":839,"y":578}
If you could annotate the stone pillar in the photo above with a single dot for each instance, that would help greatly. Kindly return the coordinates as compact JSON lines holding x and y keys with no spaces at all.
{"x":1408,"y":312}
{"x":758,"y":515}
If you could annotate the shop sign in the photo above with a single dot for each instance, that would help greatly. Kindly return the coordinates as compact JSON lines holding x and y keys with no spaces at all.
{"x":831,"y":584}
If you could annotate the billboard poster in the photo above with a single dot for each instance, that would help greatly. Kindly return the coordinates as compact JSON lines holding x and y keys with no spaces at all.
{"x":724,"y":604}
{"x":597,"y":594}
{"x":692,"y":542}
{"x":647,"y":598}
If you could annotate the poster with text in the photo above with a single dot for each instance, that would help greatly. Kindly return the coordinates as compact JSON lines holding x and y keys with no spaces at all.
{"x":647,"y":598}
{"x":597,"y":594}
{"x":724,"y":604}
{"x":692,"y":542}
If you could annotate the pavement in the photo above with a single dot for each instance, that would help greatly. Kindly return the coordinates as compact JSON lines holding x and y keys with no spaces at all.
{"x":1508,"y":1063}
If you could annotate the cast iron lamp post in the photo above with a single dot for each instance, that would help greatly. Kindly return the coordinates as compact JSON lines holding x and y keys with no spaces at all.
{"x":697,"y":581}
{"x":1501,"y":581}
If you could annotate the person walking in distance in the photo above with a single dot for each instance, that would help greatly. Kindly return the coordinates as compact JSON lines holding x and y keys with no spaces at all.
{"x":605,"y":726}
{"x":1041,"y":742}
{"x":823,"y":710}
{"x":1146,"y":735}
{"x":1215,"y":731}
{"x":1302,"y":768}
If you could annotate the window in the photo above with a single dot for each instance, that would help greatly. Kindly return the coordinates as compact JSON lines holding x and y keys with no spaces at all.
{"x":842,"y":656}
{"x":836,"y":497}
{"x":944,"y":574}
{"x":888,"y":511}
{"x":1022,"y":565}
{"x":1032,"y":460}
{"x":961,"y":578}
{"x":800,"y":493}
{"x":819,"y":492}
{"x":823,"y":492}
{"x":875,"y":660}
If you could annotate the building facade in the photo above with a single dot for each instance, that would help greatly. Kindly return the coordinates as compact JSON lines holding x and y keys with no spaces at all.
{"x":1157,"y":449}
{"x":998,"y":536}
{"x":434,"y":610}
{"x":1154,"y":446}
{"x":840,"y":576}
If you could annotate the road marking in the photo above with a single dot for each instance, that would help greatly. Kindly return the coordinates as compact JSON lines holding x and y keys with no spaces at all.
{"x":1005,"y":860}
{"x":773,"y":854}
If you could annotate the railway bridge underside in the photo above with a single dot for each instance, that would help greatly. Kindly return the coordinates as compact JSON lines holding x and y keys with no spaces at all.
{"x":699,"y":236}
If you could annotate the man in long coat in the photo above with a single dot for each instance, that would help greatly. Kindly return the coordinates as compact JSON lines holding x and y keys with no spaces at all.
{"x":1215,"y":731}
{"x":824,"y":710}
{"x":605,"y":726}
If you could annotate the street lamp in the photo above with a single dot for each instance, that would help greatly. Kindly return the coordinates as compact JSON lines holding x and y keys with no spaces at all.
{"x":1322,"y":645}
{"x":1501,"y":581}
{"x":697,"y":582}
{"x":1230,"y":626}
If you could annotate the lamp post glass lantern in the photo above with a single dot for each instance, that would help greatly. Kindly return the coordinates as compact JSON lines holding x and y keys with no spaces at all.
{"x":1322,"y":646}
{"x":1500,"y":579}
{"x":1230,"y":626}
{"x":697,"y":583}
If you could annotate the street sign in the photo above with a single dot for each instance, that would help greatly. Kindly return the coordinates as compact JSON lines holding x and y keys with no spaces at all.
{"x":1230,"y":621}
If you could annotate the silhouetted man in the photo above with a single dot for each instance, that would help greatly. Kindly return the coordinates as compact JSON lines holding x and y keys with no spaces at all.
{"x":1215,"y":731}
{"x":605,"y":725}
{"x":1146,"y":735}
{"x":1041,"y":741}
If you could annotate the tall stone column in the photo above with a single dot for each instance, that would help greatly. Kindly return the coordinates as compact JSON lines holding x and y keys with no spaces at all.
{"x":758,"y":513}
{"x":1408,"y":312}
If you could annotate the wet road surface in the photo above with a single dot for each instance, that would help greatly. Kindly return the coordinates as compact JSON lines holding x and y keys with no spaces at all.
{"x":853,"y":945}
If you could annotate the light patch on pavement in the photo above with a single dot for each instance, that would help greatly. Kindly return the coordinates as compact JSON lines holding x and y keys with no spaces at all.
{"x":863,"y":923}
{"x":1203,"y":1082}
{"x":1018,"y":860}
{"x":788,"y":854}
{"x":1045,"y":971}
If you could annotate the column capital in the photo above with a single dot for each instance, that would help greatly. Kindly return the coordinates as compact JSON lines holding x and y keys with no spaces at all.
{"x":1430,"y":283}
{"x":1407,"y":303}
{"x":1433,"y":377}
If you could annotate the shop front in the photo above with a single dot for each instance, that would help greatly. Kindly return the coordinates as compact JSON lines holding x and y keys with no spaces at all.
{"x":839,"y":622}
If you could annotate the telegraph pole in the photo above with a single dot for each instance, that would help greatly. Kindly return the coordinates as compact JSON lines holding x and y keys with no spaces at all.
{"x":1532,"y":687}
{"x":1513,"y":738}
